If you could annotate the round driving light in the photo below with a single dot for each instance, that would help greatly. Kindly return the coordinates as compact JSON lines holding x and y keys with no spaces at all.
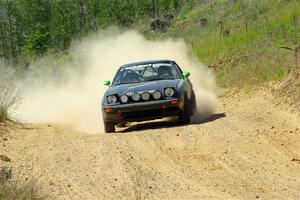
{"x":136,"y":97}
{"x":124,"y":98}
{"x":145,"y":96}
{"x":111,"y":99}
{"x":156,"y":95}
{"x":169,"y":92}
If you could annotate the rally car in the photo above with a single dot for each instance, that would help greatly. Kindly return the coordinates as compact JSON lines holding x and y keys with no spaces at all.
{"x":145,"y":91}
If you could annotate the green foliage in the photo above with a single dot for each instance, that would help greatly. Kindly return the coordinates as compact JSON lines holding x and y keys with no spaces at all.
{"x":38,"y":41}
{"x":29,"y":28}
{"x":242,"y":39}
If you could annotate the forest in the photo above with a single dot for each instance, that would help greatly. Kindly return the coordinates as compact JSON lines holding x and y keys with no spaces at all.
{"x":30,"y":28}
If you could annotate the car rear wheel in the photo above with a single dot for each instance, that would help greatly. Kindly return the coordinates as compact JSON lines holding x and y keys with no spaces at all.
{"x":184,"y":116}
{"x":109,"y":127}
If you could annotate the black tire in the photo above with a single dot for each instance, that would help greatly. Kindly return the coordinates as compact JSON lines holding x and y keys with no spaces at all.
{"x":109,"y":127}
{"x":184,"y":116}
{"x":194,"y":104}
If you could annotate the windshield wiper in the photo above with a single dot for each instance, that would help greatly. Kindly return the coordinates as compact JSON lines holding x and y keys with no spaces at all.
{"x":159,"y":79}
{"x":127,"y":83}
{"x":154,"y":79}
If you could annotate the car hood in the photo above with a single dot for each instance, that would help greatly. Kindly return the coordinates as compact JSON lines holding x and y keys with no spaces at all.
{"x":144,"y":86}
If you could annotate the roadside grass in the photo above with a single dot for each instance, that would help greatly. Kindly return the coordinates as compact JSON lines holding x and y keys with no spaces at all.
{"x":3,"y":114}
{"x":10,"y":97}
{"x":10,"y":94}
{"x":242,"y":40}
{"x":255,"y":53}
{"x":19,"y":191}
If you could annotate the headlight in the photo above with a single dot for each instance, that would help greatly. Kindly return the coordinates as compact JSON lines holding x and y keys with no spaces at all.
{"x":145,"y":96}
{"x":156,"y":95}
{"x":169,"y":92}
{"x":111,"y":99}
{"x":124,"y":98}
{"x":136,"y":97}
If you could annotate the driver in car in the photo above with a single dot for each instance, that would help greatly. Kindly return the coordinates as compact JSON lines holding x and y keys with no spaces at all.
{"x":131,"y":77}
{"x":164,"y":71}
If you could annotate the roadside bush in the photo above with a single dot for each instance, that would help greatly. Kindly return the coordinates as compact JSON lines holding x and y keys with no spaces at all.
{"x":3,"y":114}
{"x":19,"y":191}
{"x":10,"y":95}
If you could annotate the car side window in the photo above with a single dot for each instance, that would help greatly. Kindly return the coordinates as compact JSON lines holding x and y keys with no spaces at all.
{"x":175,"y":72}
{"x":177,"y":68}
{"x":118,"y":77}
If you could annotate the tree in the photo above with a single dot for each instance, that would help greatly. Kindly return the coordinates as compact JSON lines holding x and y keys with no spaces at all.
{"x":32,"y":27}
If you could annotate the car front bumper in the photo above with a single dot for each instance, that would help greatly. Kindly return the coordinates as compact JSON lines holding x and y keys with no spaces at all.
{"x":142,"y":111}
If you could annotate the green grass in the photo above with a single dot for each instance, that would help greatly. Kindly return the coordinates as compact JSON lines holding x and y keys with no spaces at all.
{"x":251,"y":56}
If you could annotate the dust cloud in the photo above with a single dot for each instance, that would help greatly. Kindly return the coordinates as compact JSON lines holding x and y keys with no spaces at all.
{"x":73,"y":92}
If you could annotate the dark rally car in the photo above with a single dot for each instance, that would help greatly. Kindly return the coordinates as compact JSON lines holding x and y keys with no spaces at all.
{"x":146,"y":91}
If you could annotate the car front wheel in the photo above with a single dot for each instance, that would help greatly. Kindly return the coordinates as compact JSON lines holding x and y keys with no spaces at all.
{"x":109,"y":127}
{"x":184,"y":116}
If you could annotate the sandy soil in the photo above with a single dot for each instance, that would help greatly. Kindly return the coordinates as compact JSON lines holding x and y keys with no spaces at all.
{"x":250,"y":149}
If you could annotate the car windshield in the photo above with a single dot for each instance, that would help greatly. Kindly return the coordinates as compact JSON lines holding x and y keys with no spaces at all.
{"x":146,"y":72}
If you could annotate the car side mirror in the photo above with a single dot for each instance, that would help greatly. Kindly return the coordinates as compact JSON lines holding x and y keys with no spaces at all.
{"x":107,"y":83}
{"x":186,"y":74}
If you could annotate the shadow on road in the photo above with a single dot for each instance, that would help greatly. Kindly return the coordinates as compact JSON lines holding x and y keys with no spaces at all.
{"x":210,"y":119}
{"x":151,"y":125}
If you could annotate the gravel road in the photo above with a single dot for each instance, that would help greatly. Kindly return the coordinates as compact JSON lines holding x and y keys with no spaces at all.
{"x":250,"y":149}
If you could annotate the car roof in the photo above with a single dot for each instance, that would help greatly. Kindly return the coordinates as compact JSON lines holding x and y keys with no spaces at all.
{"x":147,"y":62}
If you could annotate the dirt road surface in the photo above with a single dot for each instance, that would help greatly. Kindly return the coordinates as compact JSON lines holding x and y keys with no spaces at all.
{"x":250,"y":149}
